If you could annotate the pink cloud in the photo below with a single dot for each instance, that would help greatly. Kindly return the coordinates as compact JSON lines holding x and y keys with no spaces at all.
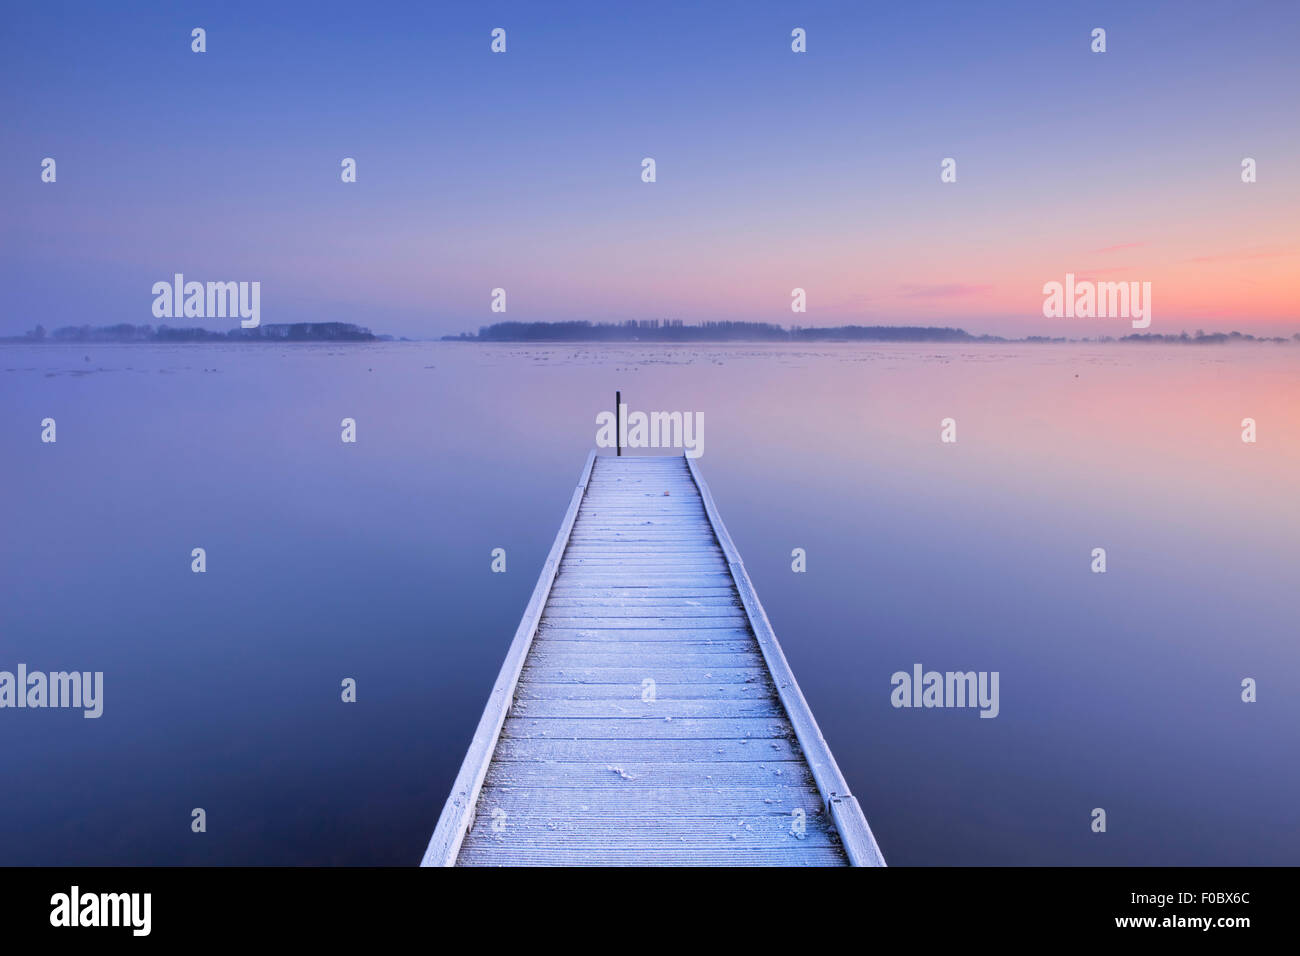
{"x":1237,"y":256}
{"x":1100,"y":275}
{"x":1124,"y":245}
{"x":951,"y":290}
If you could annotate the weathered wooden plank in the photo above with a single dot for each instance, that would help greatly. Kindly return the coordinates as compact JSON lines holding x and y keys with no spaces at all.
{"x":692,"y":518}
{"x":671,"y":800}
{"x":722,"y":833}
{"x":651,"y":657}
{"x":616,"y":549}
{"x":664,"y":691}
{"x":575,"y":728}
{"x":705,"y":625}
{"x":535,"y":749}
{"x":647,"y":569}
{"x":703,"y":613}
{"x":672,"y":561}
{"x":654,"y":607}
{"x":646,"y":592}
{"x":646,"y":556}
{"x":650,"y":641}
{"x":665,"y":656}
{"x":646,"y":550}
{"x":604,"y":775}
{"x":648,"y":505}
{"x":642,"y":478}
{"x":653,"y":505}
{"x":638,"y":537}
{"x":660,"y":510}
{"x":537,"y":670}
{"x":770,"y":819}
{"x":636,"y":708}
{"x":689,"y":516}
{"x":615,"y":488}
{"x":580,"y":607}
{"x":644,"y":523}
{"x":675,"y":520}
{"x":604,"y":579}
{"x":722,"y":636}
{"x":489,"y":855}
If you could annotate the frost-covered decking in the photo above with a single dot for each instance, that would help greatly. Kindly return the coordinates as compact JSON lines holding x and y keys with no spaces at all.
{"x":645,"y":713}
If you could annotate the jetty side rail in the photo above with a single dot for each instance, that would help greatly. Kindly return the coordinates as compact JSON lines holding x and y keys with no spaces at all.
{"x":458,"y":813}
{"x":855,"y":834}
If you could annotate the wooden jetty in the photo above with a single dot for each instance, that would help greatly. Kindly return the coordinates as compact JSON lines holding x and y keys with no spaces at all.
{"x":645,"y":714}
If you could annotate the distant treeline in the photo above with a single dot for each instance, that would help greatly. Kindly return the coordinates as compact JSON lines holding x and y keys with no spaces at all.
{"x":674,"y":330}
{"x":294,"y":332}
{"x":1206,"y":338}
{"x":655,"y":330}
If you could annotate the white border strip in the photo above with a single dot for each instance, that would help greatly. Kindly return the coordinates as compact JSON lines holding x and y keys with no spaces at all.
{"x":859,"y":842}
{"x":458,"y":813}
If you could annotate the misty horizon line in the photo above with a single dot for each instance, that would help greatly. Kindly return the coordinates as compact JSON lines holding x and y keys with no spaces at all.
{"x":646,"y":331}
{"x":676,"y":330}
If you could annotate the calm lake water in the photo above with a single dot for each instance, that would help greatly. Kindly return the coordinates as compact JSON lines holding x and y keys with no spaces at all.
{"x":326,"y":560}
